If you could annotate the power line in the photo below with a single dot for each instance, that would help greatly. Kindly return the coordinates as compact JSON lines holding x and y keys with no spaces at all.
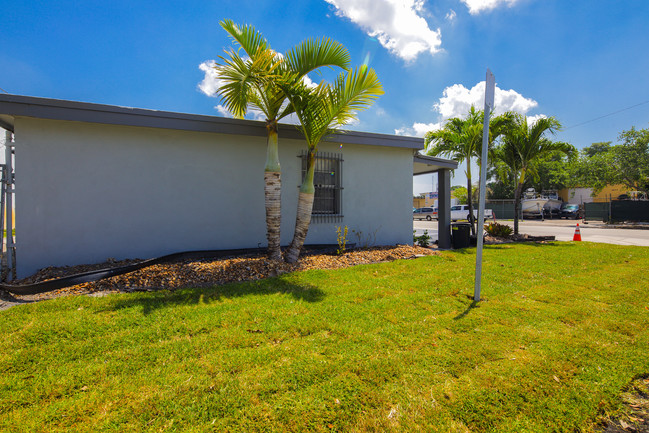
{"x":4,"y":90}
{"x":606,"y":115}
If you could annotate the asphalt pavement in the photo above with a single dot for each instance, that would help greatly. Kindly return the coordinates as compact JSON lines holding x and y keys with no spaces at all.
{"x":564,"y":230}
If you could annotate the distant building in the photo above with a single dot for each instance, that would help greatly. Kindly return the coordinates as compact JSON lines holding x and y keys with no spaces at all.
{"x":585,"y":195}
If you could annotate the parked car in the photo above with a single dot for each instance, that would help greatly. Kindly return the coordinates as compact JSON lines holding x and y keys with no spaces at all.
{"x":571,"y":211}
{"x":427,"y":213}
{"x":461,"y":212}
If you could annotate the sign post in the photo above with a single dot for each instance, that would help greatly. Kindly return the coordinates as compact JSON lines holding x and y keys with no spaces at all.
{"x":490,"y":87}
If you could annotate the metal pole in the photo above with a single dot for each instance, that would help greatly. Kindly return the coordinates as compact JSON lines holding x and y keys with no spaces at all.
{"x":3,"y":253}
{"x":488,"y":104}
{"x":9,"y":206}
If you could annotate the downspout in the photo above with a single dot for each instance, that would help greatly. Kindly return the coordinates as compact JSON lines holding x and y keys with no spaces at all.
{"x":9,"y":190}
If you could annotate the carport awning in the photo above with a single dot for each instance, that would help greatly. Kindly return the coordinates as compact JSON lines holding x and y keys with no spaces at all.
{"x":424,"y":164}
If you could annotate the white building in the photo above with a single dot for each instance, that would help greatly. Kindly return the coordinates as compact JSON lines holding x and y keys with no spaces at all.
{"x":96,"y":181}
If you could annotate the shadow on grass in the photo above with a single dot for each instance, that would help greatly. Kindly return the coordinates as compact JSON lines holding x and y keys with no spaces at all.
{"x":151,"y":301}
{"x":463,"y":314}
{"x":504,"y":246}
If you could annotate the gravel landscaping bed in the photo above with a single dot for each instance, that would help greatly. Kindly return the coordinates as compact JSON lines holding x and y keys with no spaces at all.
{"x":200,"y":273}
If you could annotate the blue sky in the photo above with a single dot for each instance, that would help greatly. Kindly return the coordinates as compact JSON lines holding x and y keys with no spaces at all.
{"x":576,"y":60}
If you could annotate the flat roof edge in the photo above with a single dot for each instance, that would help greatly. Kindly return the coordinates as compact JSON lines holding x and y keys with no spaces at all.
{"x":432,"y":160}
{"x":55,"y":109}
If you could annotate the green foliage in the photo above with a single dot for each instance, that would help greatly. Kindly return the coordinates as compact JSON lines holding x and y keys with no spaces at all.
{"x":325,"y":108}
{"x":626,"y":163}
{"x":597,"y":148}
{"x":254,"y":81}
{"x":461,"y":194}
{"x":522,"y":151}
{"x":461,"y":140}
{"x":341,"y":350}
{"x":499,"y":189}
{"x":498,"y":230}
{"x":341,"y":237}
{"x":550,"y":172}
{"x":423,"y":240}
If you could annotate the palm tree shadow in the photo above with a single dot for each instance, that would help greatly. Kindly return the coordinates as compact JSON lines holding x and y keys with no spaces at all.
{"x":156,"y":300}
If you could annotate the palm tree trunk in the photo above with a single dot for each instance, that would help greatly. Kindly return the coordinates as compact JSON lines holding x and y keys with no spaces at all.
{"x":469,"y":196}
{"x":272,"y":193}
{"x":517,"y":200}
{"x":517,"y":206}
{"x":304,"y":210}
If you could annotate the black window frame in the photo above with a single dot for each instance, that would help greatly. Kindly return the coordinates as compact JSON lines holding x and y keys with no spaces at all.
{"x":328,"y":183}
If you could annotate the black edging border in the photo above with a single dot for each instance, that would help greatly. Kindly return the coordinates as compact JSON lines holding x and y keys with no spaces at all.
{"x":100,"y":274}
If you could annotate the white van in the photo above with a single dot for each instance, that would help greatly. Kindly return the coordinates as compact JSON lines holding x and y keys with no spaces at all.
{"x":427,"y":213}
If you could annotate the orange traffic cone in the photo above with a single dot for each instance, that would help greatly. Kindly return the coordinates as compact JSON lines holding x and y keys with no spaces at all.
{"x":577,"y":236}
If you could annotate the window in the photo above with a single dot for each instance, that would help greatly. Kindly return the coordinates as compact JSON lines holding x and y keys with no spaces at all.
{"x":327,"y":179}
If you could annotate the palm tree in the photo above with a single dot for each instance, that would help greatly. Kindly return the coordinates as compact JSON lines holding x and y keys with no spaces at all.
{"x":522,"y":146}
{"x":461,"y":140}
{"x":251,"y":83}
{"x":321,"y":111}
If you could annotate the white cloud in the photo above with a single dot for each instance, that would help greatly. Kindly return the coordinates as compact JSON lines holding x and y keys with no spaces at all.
{"x":224,"y":112}
{"x":211,"y":83}
{"x":397,"y":24}
{"x":451,"y":15}
{"x":532,"y":119}
{"x":456,"y":101}
{"x":309,"y":82}
{"x":477,"y":6}
{"x":418,"y":129}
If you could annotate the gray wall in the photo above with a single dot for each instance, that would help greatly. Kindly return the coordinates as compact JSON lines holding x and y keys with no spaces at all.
{"x":86,"y":192}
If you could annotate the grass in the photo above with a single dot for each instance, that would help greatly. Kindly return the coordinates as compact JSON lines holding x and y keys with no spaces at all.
{"x":399,"y":346}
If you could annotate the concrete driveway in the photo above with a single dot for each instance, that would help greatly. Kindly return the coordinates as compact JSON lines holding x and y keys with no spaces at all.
{"x":564,"y":230}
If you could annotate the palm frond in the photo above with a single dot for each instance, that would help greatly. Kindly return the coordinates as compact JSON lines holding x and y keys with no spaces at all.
{"x":315,"y":53}
{"x":326,"y":107}
{"x":244,"y":77}
{"x":353,"y":91}
{"x":237,"y":81}
{"x":247,"y":37}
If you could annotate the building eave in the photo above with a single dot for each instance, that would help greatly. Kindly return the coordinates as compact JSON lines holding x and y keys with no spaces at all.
{"x":12,"y":106}
{"x":424,"y":164}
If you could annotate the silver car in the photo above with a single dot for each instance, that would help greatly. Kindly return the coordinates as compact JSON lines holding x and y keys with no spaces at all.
{"x":425,"y":213}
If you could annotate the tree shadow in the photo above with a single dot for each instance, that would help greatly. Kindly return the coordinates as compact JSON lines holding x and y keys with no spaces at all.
{"x":155,"y":300}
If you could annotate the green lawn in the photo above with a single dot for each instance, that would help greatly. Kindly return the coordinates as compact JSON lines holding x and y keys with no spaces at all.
{"x":562,"y":330}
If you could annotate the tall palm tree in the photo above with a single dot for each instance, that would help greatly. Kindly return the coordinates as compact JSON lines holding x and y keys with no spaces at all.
{"x":321,"y":111}
{"x":251,"y":82}
{"x":522,"y":146}
{"x":461,"y":140}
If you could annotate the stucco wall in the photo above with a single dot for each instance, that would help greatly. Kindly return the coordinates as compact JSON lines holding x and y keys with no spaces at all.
{"x":86,"y":192}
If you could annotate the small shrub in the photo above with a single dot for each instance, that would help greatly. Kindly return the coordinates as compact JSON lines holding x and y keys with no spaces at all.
{"x":423,"y":240}
{"x":365,"y":240}
{"x":498,"y":230}
{"x":341,"y":236}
